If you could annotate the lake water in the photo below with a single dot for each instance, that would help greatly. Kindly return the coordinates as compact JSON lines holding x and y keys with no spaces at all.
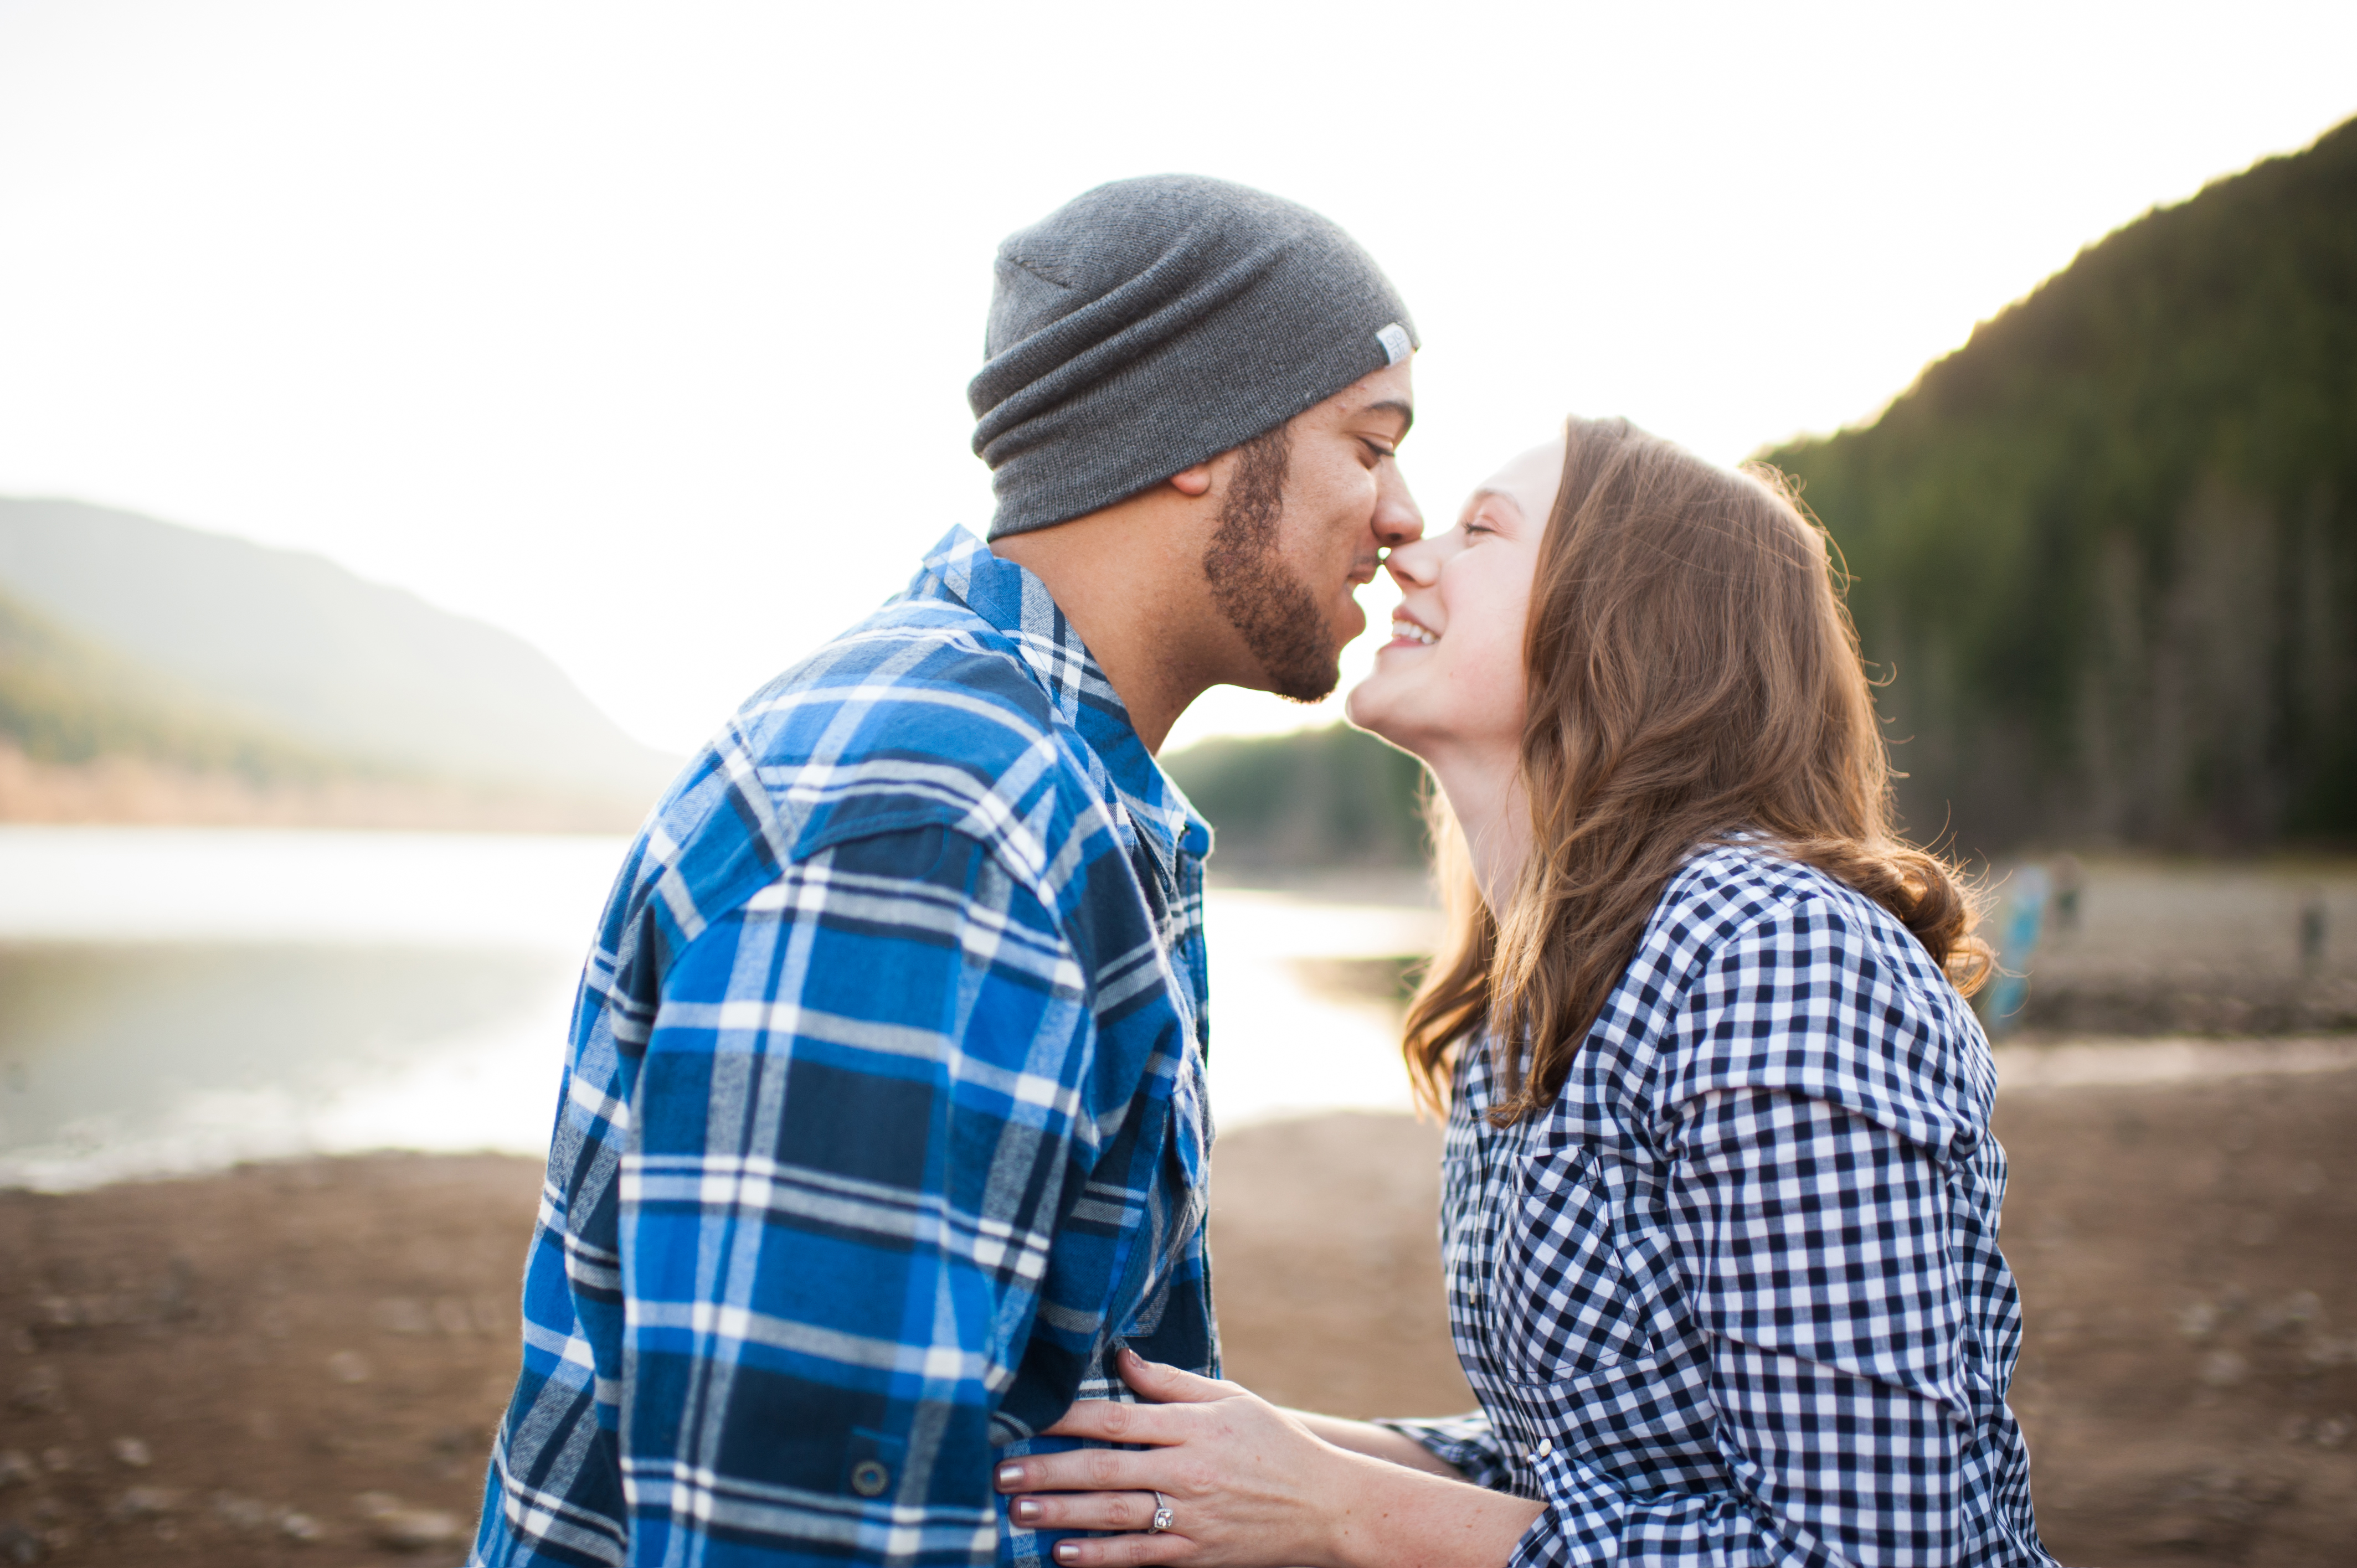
{"x":176,"y":1000}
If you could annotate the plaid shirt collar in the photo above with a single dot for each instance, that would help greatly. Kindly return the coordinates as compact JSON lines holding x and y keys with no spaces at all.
{"x":961,"y":570}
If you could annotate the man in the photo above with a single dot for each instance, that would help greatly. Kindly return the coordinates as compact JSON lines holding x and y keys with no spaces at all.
{"x":884,"y":1129}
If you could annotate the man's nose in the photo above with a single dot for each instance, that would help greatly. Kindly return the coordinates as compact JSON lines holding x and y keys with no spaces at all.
{"x":1397,"y":520}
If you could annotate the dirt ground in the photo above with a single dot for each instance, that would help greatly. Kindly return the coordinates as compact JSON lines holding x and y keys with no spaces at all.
{"x":301,"y":1363}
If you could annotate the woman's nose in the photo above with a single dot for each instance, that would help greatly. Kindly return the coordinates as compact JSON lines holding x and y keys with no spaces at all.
{"x":1415,"y":565}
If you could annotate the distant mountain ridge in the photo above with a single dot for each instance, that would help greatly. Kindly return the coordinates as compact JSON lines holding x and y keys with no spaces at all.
{"x":122,"y":634}
{"x":64,"y":701}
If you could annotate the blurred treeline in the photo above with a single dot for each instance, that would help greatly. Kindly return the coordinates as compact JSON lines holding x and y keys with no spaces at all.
{"x":2107,"y":551}
{"x":1334,"y":797}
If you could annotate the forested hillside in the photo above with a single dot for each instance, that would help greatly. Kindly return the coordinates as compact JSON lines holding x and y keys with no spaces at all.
{"x":2107,"y":551}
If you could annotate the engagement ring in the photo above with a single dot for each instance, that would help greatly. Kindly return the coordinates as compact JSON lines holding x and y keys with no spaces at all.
{"x":1161,"y":1516}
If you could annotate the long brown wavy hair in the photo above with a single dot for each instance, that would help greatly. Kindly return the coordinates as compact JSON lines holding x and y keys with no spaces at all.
{"x":1692,"y":673}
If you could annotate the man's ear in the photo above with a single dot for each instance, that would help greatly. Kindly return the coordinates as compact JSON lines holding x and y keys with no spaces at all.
{"x":1195,"y":481}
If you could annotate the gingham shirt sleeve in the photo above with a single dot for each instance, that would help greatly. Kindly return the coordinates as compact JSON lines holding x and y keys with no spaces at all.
{"x":1808,"y":1209}
{"x":858,"y":1120}
{"x":1466,"y":1441}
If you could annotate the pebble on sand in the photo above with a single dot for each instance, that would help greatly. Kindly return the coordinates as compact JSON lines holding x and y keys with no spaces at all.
{"x":242,"y":1513}
{"x":392,"y":1522}
{"x":42,"y":1393}
{"x":145,"y":1502}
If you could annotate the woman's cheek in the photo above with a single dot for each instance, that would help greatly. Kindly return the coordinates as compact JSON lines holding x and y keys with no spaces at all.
{"x":1482,"y":662}
{"x":1488,"y":682}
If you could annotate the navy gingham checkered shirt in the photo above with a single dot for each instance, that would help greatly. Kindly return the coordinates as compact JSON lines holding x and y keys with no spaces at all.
{"x":884,"y":1121}
{"x":1735,"y":1297}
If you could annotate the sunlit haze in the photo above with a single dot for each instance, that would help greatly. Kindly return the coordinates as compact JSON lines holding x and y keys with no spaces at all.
{"x":643,"y":332}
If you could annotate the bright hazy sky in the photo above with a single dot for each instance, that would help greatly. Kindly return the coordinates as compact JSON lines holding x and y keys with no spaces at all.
{"x":643,"y":331}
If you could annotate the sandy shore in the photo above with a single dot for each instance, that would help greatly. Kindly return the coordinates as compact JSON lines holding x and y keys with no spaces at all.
{"x":301,"y":1363}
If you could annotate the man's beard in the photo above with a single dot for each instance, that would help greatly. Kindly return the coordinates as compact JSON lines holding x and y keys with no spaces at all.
{"x":1272,"y":610}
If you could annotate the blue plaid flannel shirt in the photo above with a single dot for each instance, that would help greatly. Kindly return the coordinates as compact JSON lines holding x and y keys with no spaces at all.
{"x":883,"y":1123}
{"x":1736,"y":1296}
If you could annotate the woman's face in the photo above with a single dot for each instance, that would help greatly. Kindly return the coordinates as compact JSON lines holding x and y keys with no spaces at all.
{"x":1450,"y":679}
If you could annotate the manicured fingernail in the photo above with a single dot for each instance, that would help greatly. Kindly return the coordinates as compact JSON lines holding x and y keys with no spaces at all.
{"x":1068,"y":1551}
{"x":1028,"y":1510}
{"x":1132,"y":1356}
{"x":1009,"y":1476}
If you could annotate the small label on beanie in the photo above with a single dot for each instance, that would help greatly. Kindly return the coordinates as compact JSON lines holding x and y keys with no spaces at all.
{"x":1395,"y":344}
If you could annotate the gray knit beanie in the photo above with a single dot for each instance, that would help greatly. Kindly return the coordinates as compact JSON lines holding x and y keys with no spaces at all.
{"x":1152,"y":323}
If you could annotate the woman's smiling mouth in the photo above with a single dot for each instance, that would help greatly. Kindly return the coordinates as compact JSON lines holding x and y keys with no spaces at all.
{"x":1409,"y":632}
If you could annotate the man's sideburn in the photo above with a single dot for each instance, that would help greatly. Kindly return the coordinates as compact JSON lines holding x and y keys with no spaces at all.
{"x":1271,"y":608}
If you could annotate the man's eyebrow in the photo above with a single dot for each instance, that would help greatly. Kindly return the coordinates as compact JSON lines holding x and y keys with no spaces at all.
{"x":1392,"y":406}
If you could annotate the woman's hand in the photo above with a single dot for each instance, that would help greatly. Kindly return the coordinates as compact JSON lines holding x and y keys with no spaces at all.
{"x":1247,"y":1485}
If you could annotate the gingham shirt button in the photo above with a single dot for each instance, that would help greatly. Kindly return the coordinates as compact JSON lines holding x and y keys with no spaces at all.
{"x":1545,"y":1447}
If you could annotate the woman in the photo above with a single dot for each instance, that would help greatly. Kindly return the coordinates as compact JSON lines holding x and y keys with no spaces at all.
{"x":1720,"y":1201}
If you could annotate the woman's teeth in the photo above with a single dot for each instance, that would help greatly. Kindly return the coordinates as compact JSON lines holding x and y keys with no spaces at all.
{"x":1410,"y":629}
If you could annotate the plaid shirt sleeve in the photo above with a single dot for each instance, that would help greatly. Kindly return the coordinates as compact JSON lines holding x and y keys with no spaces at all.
{"x":1808,"y":1232}
{"x":788,"y":1298}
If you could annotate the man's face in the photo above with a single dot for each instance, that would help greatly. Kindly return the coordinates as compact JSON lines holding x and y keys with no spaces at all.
{"x":1307,"y":510}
